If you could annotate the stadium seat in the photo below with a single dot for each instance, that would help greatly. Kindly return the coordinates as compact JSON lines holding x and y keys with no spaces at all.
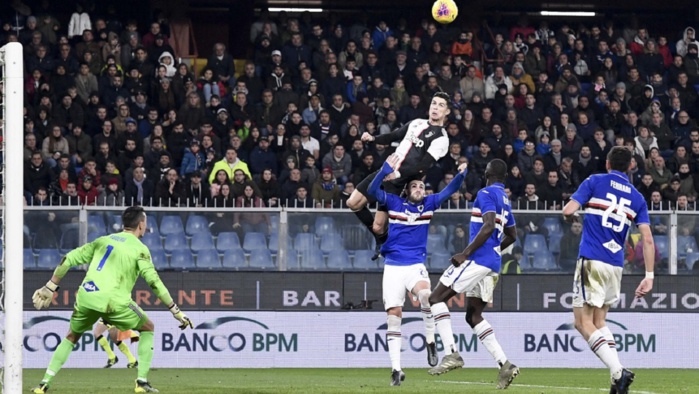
{"x":181,"y":259}
{"x":331,"y":242}
{"x":152,"y":224}
{"x":274,"y":243}
{"x":274,"y":223}
{"x":362,"y":260}
{"x":152,"y":241}
{"x":292,"y":259}
{"x":339,"y":260}
{"x":439,"y":261}
{"x":227,"y":241}
{"x":544,"y":261}
{"x":324,"y":225}
{"x":69,"y":240}
{"x":686,"y":244}
{"x":208,"y":259}
{"x":159,"y":259}
{"x":534,"y":243}
{"x":261,"y":259}
{"x":29,"y":261}
{"x":435,"y":243}
{"x":196,"y":224}
{"x":312,"y":260}
{"x":95,"y":222}
{"x":234,"y":258}
{"x":175,"y":242}
{"x":171,"y":224}
{"x":555,"y":242}
{"x":553,"y":225}
{"x":355,"y":236}
{"x":305,"y":241}
{"x":48,"y":258}
{"x":662,"y":244}
{"x":691,"y":259}
{"x":202,"y":242}
{"x":254,"y":241}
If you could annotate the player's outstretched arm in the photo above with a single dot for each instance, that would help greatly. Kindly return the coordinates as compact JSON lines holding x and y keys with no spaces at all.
{"x":43,"y":296}
{"x":485,"y":232}
{"x":570,"y":211}
{"x":150,"y":275}
{"x":453,"y":186}
{"x":646,"y":284}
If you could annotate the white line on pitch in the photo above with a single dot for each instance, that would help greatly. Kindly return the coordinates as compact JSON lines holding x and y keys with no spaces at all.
{"x":538,"y":386}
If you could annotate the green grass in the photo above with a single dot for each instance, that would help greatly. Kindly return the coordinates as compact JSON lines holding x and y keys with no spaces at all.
{"x":535,"y":380}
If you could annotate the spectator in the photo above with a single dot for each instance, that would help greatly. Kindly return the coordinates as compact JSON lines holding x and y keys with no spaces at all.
{"x":530,"y":200}
{"x":79,"y":146}
{"x":269,"y":188}
{"x":87,"y":193}
{"x":54,"y":146}
{"x":111,"y":196}
{"x":552,"y":192}
{"x":170,"y":191}
{"x":250,"y":222}
{"x":140,"y":190}
{"x":223,"y":199}
{"x":569,"y":247}
{"x":193,"y":161}
{"x":661,"y":175}
{"x":197,"y":194}
{"x":326,"y":193}
{"x":339,"y":162}
{"x":239,"y":181}
{"x":300,"y":199}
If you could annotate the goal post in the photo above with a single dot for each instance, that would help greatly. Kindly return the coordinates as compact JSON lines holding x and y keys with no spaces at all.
{"x":12,"y":214}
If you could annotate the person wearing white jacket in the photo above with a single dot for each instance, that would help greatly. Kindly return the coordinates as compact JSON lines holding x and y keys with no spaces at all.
{"x":79,"y":22}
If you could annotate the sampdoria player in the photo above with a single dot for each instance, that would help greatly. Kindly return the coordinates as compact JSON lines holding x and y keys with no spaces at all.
{"x":118,"y":338}
{"x":611,"y":203}
{"x":405,"y":252}
{"x":474,"y":272}
{"x":116,"y":261}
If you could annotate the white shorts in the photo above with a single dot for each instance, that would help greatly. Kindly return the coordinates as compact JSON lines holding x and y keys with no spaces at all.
{"x":596,"y":283}
{"x":470,"y":278}
{"x":397,"y":279}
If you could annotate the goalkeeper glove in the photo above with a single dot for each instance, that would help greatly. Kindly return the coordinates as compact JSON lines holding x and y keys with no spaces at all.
{"x":42,"y":297}
{"x":181,"y":317}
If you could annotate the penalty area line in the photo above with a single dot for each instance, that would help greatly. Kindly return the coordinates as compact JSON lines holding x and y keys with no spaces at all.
{"x":538,"y":386}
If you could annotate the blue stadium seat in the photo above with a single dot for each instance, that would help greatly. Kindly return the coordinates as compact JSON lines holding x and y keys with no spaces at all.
{"x":152,"y":224}
{"x":339,"y":260}
{"x":29,"y":262}
{"x":691,"y":259}
{"x":331,"y":242}
{"x":305,"y":241}
{"x":208,"y":259}
{"x":355,"y":236}
{"x":534,"y":243}
{"x":292,"y":259}
{"x":152,"y":241}
{"x":273,"y":223}
{"x":324,"y":225}
{"x":48,"y":258}
{"x":435,"y":243}
{"x":93,"y":235}
{"x":261,"y":259}
{"x":254,"y":241}
{"x":227,"y":241}
{"x":686,"y":244}
{"x":181,"y":259}
{"x":69,"y":240}
{"x":440,"y":261}
{"x":116,"y":224}
{"x":274,"y":243}
{"x":171,"y":224}
{"x":312,"y":260}
{"x":661,"y":242}
{"x":555,"y":242}
{"x":197,"y":224}
{"x":553,"y":225}
{"x":362,"y":260}
{"x":159,"y":259}
{"x":202,"y":242}
{"x":544,"y":261}
{"x":175,"y":242}
{"x":95,"y":222}
{"x":234,"y":258}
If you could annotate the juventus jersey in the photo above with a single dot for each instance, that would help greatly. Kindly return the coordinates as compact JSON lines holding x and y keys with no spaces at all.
{"x":611,"y":203}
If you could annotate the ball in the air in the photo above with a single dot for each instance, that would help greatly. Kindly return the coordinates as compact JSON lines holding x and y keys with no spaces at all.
{"x":444,"y":11}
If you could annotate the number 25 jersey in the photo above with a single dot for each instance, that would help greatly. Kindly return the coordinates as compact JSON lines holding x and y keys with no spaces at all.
{"x":611,"y":203}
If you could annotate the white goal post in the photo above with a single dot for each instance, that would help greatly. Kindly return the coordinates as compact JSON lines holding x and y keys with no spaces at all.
{"x":12,"y":283}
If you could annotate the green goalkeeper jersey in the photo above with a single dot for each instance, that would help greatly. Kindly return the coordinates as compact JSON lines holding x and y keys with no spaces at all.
{"x":116,"y":261}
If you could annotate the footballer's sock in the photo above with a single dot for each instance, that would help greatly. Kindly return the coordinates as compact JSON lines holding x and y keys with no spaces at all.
{"x":105,"y":345}
{"x":609,"y":357}
{"x":145,"y":354}
{"x":58,"y":359}
{"x":612,"y":346}
{"x":394,"y":339}
{"x":127,"y":352}
{"x":442,"y":320}
{"x":366,"y":217}
{"x":424,"y":297}
{"x":486,"y":335}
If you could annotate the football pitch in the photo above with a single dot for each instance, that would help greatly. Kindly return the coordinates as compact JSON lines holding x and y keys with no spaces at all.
{"x":535,"y":380}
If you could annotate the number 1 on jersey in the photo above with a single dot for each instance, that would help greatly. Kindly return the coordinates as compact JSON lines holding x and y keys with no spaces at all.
{"x":105,"y":257}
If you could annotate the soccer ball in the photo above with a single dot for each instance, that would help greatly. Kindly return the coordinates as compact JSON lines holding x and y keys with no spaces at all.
{"x":444,"y":11}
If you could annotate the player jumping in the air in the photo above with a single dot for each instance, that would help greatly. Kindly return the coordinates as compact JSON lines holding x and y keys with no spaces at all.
{"x":611,"y":203}
{"x":422,"y":143}
{"x":405,"y":252}
{"x":474,"y":272}
{"x":116,"y":261}
{"x":118,"y":337}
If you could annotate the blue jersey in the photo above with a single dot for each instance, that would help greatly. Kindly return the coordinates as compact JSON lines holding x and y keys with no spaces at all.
{"x":490,"y":199}
{"x":611,"y":203}
{"x":408,"y":223}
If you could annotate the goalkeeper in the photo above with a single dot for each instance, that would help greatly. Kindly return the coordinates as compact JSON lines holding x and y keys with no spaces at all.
{"x":115,"y":261}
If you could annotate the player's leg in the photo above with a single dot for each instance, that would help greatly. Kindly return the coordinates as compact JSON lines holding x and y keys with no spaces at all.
{"x":380,"y":230}
{"x":81,"y":321}
{"x":98,"y":332}
{"x":421,"y":290}
{"x":393,"y":299}
{"x":118,"y":337}
{"x":357,"y":202}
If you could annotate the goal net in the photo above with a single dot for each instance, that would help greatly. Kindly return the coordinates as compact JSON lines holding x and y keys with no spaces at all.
{"x":11,"y":199}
